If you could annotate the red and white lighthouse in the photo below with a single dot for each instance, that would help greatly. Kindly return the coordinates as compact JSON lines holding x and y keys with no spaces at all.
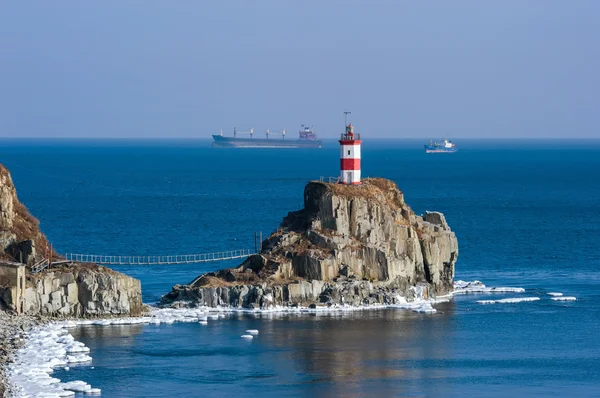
{"x":350,"y":156}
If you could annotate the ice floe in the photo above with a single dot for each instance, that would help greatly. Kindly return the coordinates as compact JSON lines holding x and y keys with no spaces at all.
{"x":47,"y":347}
{"x":564,"y":298}
{"x":509,"y":300}
{"x":463,"y":287}
{"x":247,"y":336}
{"x":252,"y":331}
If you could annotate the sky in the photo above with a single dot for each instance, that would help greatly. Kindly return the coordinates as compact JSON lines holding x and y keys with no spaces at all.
{"x":405,"y":69}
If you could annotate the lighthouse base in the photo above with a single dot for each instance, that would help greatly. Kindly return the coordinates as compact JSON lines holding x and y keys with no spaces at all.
{"x":350,"y":177}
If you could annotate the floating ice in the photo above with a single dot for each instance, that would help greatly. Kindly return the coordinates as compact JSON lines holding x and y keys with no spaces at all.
{"x":422,"y":306}
{"x":51,"y":346}
{"x":76,"y":386}
{"x":47,"y":347}
{"x":555,"y":294}
{"x":508,"y":300}
{"x":564,"y":298}
{"x":462,"y":287}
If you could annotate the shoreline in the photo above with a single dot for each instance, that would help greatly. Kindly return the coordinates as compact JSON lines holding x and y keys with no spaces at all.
{"x":13,"y":334}
{"x":17,"y":331}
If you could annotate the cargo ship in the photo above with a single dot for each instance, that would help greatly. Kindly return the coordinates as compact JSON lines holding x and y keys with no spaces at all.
{"x":440,"y":147}
{"x":306,"y":139}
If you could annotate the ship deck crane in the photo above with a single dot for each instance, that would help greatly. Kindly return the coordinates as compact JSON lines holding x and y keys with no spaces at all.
{"x":268,"y":132}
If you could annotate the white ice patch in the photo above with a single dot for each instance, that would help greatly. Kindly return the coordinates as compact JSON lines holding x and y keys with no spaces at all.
{"x":462,"y":287}
{"x":47,"y":347}
{"x":252,"y":331}
{"x":555,"y":294}
{"x":247,"y":336}
{"x":510,"y":300}
{"x":204,"y":315}
{"x":564,"y":298}
{"x":422,"y":306}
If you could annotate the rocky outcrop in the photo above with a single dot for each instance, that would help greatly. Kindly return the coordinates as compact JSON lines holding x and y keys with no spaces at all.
{"x":349,"y":245}
{"x":20,"y":236}
{"x":79,"y":291}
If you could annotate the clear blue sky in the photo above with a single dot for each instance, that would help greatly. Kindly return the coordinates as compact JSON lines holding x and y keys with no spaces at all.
{"x":403,"y":68}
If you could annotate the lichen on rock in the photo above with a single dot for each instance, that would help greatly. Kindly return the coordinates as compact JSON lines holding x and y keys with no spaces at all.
{"x":349,"y":245}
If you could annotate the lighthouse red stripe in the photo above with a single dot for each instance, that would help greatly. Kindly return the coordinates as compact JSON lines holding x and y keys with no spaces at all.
{"x":350,"y":142}
{"x":350,"y":164}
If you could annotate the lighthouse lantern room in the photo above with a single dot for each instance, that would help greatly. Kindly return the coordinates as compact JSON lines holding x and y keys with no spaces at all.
{"x":350,"y":156}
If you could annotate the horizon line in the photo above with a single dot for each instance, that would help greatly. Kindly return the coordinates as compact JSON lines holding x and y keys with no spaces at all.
{"x":326,"y":138}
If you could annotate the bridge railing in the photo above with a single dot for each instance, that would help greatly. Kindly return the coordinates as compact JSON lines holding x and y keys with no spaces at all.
{"x":153,"y":260}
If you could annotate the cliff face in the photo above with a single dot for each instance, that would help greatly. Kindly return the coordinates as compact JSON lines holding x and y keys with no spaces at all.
{"x":83,"y":291}
{"x":20,"y":236}
{"x":349,"y":245}
{"x":70,"y":290}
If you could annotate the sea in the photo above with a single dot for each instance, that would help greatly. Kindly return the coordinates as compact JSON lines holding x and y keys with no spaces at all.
{"x":526,"y":214}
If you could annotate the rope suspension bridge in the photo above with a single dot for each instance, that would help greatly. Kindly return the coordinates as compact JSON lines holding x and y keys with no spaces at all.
{"x":158,"y":260}
{"x":150,"y":260}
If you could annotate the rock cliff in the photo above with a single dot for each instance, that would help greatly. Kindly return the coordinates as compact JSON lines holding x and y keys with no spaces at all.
{"x":80,"y":290}
{"x":20,"y":236}
{"x":351,"y":245}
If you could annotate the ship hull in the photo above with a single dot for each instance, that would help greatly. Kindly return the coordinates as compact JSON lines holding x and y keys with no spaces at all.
{"x":432,"y":149}
{"x":234,"y":142}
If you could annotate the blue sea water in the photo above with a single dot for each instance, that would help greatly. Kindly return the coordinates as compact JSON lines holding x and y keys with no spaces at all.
{"x":526,"y":213}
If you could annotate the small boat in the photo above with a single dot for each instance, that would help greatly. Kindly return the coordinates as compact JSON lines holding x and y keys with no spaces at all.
{"x":440,"y":147}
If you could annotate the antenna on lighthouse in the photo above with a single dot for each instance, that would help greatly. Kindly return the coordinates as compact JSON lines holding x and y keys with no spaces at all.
{"x":346,"y":113}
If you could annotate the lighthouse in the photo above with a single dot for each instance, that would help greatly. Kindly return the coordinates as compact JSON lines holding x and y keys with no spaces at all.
{"x":349,"y":155}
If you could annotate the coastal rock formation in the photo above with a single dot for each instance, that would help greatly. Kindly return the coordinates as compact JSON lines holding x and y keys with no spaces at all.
{"x":82,"y":290}
{"x":352,"y":245}
{"x":79,"y":290}
{"x":20,"y":236}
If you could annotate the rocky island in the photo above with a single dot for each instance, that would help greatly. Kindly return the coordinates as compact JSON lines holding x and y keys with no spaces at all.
{"x":350,"y":245}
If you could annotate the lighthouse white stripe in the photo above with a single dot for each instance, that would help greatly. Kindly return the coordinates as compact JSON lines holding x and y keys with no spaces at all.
{"x":350,"y":151}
